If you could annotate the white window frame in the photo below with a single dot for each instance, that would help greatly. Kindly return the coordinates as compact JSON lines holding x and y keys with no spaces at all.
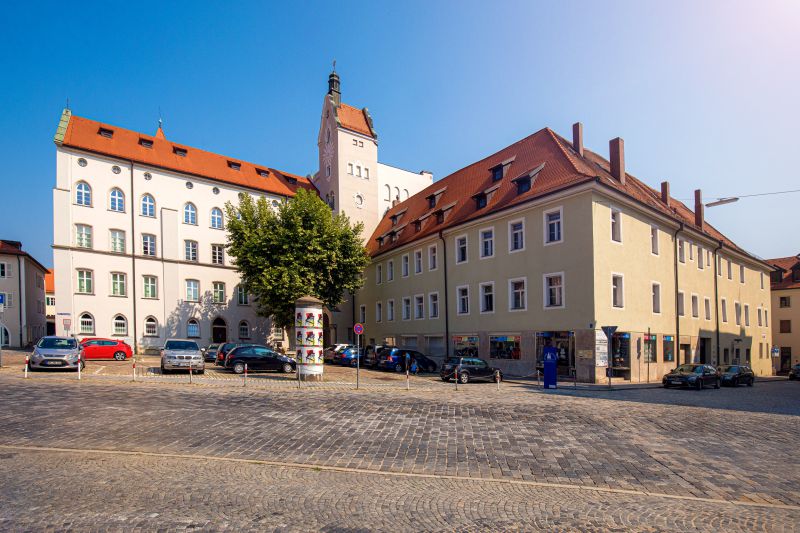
{"x":707,"y":308}
{"x":362,"y":313}
{"x":546,"y":226}
{"x":695,"y":306}
{"x":723,"y":304}
{"x":193,"y":219}
{"x":112,"y":240}
{"x":189,"y":324}
{"x":186,"y":290}
{"x":431,"y":305}
{"x":390,"y":271}
{"x":88,"y":275}
{"x":546,"y":290}
{"x":433,"y":257}
{"x":459,"y":311}
{"x":466,"y":249}
{"x":124,"y":331}
{"x":112,"y":201}
{"x":616,"y":211}
{"x":512,"y":250}
{"x":482,"y":307}
{"x":655,"y":244}
{"x":147,"y":202}
{"x":524,"y":307}
{"x":214,"y":286}
{"x":242,"y":297}
{"x":88,"y":331}
{"x":390,"y":310}
{"x":405,"y":267}
{"x":655,"y":303}
{"x":144,"y":249}
{"x":221,"y":254}
{"x":378,"y":273}
{"x":417,"y":299}
{"x":682,"y":251}
{"x":378,"y":311}
{"x":405,"y":311}
{"x":81,"y":236}
{"x":147,"y":322}
{"x":86,"y":195}
{"x":246,"y":329}
{"x":190,"y":248}
{"x":481,"y":242}
{"x":681,"y":303}
{"x":622,"y":295}
{"x":122,"y":283}
{"x":145,"y":284}
{"x":212,"y":217}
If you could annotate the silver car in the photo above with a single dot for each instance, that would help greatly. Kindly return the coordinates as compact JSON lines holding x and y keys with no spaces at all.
{"x":64,"y":353}
{"x":182,"y":354}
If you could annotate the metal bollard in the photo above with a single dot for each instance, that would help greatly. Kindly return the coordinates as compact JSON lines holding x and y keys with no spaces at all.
{"x":134,"y":370}
{"x":497,"y":379}
{"x":537,"y":378}
{"x":457,"y":372}
{"x":190,"y":373}
{"x":26,"y":367}
{"x":79,"y":369}
{"x":407,"y":383}
{"x":245,"y":374}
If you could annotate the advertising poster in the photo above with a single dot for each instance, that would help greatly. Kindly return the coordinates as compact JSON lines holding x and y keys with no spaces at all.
{"x":308,"y":339}
{"x":600,"y":348}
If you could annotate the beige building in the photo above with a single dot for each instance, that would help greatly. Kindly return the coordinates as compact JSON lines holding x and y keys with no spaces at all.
{"x":786,"y":312}
{"x":546,"y":242}
{"x":50,"y":301}
{"x":22,"y":321}
{"x":139,"y":237}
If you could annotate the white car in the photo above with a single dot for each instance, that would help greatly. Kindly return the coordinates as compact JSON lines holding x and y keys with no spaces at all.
{"x":182,"y":354}
{"x":64,"y":353}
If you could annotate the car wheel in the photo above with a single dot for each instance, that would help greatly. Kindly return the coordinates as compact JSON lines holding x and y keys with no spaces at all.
{"x":463,"y":378}
{"x":354,"y":363}
{"x":238,"y":368}
{"x":163,"y":370}
{"x":287,"y":368}
{"x":698,"y":384}
{"x":735,"y":382}
{"x":201,"y":372}
{"x":750,"y":383}
{"x":119,"y":356}
{"x":398,"y":368}
{"x":432,"y":369}
{"x":716,"y":384}
{"x":666,"y":385}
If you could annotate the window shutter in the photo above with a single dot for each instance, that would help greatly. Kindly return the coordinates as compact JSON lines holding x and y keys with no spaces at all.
{"x":8,"y":270}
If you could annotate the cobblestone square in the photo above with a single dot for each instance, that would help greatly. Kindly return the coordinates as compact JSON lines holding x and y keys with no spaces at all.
{"x":95,"y":455}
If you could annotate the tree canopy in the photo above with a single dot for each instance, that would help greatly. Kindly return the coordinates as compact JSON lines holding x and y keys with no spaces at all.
{"x":296,"y":249}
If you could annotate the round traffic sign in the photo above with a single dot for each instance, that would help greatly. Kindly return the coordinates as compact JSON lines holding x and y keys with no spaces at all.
{"x":358,"y":329}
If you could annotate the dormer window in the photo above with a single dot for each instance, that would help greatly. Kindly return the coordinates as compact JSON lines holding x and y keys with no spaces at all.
{"x":179,"y":151}
{"x":796,"y":274}
{"x":440,"y":217}
{"x":261,"y":172}
{"x":523,"y":185}
{"x":480,"y":201}
{"x":776,"y":276}
{"x":234,"y":165}
{"x":105,"y":132}
{"x":380,"y":241}
{"x":431,"y":202}
{"x":147,"y":143}
{"x":291,"y":180}
{"x":418,"y":226}
{"x":497,"y":173}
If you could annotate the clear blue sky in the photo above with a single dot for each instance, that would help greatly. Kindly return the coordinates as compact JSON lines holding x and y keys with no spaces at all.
{"x":705,"y":94}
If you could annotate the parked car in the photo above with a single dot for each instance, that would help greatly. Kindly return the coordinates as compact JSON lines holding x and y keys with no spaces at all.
{"x":330,"y":351}
{"x":692,"y":375}
{"x":794,"y":372}
{"x":348,"y":357}
{"x":57,"y":352}
{"x":469,"y":369}
{"x":370,"y":356}
{"x":97,"y":348}
{"x":182,"y":354}
{"x":336,"y":356}
{"x":210,"y":355}
{"x":395,"y":359}
{"x":736,"y":374}
{"x":223,"y":350}
{"x":258,"y":357}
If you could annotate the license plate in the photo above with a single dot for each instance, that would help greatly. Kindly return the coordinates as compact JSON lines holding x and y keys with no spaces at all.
{"x":676,"y":382}
{"x":54,"y":363}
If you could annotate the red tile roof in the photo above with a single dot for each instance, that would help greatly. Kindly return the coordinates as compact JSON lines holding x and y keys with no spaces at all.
{"x":788,"y":266}
{"x":49,"y":281}
{"x":82,"y":133}
{"x":15,"y":248}
{"x":562,"y":168}
{"x":354,"y":119}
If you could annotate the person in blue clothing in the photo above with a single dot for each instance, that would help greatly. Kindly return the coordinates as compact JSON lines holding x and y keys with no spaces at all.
{"x":414,"y":366}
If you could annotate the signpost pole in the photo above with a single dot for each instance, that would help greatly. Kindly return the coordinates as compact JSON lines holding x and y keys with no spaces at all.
{"x":358,"y":329}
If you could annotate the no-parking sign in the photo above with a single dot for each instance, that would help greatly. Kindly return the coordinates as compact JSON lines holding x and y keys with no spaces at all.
{"x":358,"y":329}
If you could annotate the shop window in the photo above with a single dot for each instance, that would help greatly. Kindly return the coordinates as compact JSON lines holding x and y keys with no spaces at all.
{"x":466,"y":346}
{"x":669,"y":349}
{"x":649,"y":348}
{"x":505,"y":347}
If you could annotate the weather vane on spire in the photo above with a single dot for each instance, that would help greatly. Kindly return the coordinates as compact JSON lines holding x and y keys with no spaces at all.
{"x":334,"y":65}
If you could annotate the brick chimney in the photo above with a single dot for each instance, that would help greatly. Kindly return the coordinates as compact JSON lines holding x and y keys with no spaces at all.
{"x":617,"y":157}
{"x":577,"y":137}
{"x":699,"y":209}
{"x":665,"y":193}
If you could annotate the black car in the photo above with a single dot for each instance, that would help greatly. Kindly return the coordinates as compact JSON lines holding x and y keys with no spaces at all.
{"x":371,"y":355}
{"x":258,"y":357}
{"x":223,"y":350}
{"x":794,"y":372}
{"x":210,"y":355}
{"x":692,"y":375}
{"x":469,"y":369}
{"x":737,"y":374}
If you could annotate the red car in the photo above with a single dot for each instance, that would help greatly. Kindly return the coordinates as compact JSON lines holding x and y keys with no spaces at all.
{"x":97,"y":348}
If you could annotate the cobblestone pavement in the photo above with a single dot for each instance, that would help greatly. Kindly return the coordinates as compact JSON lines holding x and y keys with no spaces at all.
{"x":393,"y":460}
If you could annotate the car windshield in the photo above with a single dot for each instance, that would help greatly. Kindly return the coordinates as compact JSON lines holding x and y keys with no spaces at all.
{"x":688,"y":368}
{"x":50,"y":343}
{"x":454,"y":361}
{"x":729,"y":369}
{"x":181,"y":345}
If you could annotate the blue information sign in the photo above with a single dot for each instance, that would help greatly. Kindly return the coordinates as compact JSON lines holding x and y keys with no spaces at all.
{"x":550,"y":356}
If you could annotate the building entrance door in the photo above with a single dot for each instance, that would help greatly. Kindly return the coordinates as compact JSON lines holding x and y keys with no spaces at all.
{"x":686,"y":352}
{"x":219,"y":331}
{"x":3,"y":336}
{"x":786,"y":358}
{"x":704,"y":350}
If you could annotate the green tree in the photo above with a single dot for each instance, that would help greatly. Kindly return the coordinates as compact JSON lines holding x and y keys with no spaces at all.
{"x":299,"y":248}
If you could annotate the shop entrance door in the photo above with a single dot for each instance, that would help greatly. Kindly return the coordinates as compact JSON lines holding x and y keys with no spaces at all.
{"x":686,"y":353}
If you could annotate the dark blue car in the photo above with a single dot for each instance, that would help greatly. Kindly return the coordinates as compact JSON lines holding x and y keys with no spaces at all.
{"x":348,"y":357}
{"x":395,"y":359}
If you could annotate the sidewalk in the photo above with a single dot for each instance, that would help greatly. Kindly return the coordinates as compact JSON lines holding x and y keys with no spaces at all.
{"x":603,"y":387}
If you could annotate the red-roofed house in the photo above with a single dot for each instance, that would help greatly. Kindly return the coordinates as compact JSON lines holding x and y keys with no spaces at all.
{"x":22,"y":286}
{"x":543,"y":243}
{"x":786,"y":311}
{"x":139,"y":236}
{"x":50,"y":301}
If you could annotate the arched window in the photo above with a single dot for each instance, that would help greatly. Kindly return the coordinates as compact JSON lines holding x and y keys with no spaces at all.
{"x":86,"y":323}
{"x":120,"y":325}
{"x":396,"y":193}
{"x":83,"y":194}
{"x":192,"y":328}
{"x":332,"y":203}
{"x":117,"y":200}
{"x":216,"y":218}
{"x":148,"y":206}
{"x":388,"y":193}
{"x":190,"y":214}
{"x":150,"y":327}
{"x":405,"y":194}
{"x":244,"y":330}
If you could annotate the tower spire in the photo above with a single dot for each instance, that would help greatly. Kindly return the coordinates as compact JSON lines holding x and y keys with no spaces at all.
{"x":334,"y":86}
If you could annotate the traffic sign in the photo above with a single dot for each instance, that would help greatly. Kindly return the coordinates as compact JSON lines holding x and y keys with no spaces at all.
{"x":2,"y":301}
{"x":358,"y":329}
{"x":776,"y":351}
{"x":609,"y":331}
{"x":67,"y":323}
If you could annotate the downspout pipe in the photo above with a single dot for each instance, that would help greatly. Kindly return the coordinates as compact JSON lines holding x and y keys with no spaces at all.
{"x":132,"y":284}
{"x":677,"y":314}
{"x":446,"y":300}
{"x":21,"y":302}
{"x":716,"y":295}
